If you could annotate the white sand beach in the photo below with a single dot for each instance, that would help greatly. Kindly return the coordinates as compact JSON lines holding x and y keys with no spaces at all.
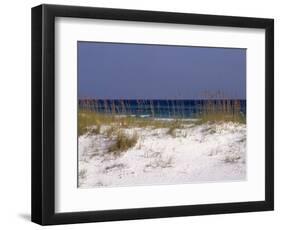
{"x":209,"y":152}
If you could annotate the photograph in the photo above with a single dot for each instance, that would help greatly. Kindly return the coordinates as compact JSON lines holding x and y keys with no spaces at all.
{"x":141,"y":114}
{"x":151,"y":114}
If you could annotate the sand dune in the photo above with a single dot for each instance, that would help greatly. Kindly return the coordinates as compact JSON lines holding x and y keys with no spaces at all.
{"x":194,"y":154}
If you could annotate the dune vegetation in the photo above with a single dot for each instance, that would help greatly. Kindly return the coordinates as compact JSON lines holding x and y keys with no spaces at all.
{"x":90,"y":120}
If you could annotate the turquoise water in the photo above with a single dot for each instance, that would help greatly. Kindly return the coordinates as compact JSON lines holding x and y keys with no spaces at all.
{"x":159,"y":108}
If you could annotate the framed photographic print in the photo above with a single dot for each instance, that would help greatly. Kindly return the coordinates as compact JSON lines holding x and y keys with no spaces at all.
{"x":142,"y":114}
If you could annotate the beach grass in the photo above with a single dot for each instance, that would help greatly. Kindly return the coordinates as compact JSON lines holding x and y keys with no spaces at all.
{"x":123,"y":142}
{"x":88,"y":119}
{"x":114,"y":126}
{"x":91,"y":120}
{"x":225,"y":111}
{"x":173,"y":127}
{"x":222,"y":117}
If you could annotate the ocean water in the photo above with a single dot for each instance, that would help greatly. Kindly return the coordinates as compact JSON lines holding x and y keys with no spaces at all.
{"x":162,"y":108}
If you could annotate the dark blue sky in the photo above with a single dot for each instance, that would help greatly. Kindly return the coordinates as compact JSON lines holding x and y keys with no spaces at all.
{"x":130,"y":71}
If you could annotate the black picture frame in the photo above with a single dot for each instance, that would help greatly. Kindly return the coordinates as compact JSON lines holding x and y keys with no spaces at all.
{"x":43,"y":114}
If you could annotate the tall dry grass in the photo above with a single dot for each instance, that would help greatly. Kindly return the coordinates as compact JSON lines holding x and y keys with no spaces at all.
{"x":90,"y":122}
{"x":123,"y":142}
{"x":220,"y":110}
{"x":214,"y":107}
